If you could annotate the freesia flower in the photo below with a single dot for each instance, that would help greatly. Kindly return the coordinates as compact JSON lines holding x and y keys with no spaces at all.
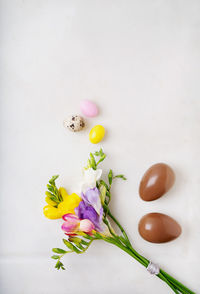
{"x":90,"y":177}
{"x":86,"y":211}
{"x":92,"y":197}
{"x":69,"y":204}
{"x":54,"y":210}
{"x":73,"y":224}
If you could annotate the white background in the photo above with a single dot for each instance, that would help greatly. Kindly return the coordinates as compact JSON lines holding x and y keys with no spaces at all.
{"x":140,"y":62}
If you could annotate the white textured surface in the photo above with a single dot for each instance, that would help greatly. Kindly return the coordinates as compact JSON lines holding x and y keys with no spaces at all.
{"x":140,"y":61}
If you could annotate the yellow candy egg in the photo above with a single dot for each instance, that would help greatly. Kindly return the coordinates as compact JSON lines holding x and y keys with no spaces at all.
{"x":52,"y":212}
{"x":68,"y":205}
{"x":96,"y":134}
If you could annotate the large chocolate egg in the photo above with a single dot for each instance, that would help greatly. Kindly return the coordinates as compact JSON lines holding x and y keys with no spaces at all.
{"x":157,"y":180}
{"x":158,"y":228}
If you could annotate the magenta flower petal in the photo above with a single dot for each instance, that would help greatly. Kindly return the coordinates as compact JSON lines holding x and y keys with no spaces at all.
{"x":69,"y":216}
{"x":86,"y":226}
{"x":71,"y":223}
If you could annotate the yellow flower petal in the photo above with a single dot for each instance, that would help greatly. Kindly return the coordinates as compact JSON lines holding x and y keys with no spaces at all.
{"x":68,"y":205}
{"x":50,"y":202}
{"x":63,"y":193}
{"x":52,"y":212}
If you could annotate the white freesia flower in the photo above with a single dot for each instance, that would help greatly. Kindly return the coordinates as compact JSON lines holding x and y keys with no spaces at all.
{"x":90,"y":176}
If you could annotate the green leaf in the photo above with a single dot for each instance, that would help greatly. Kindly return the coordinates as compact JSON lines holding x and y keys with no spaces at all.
{"x":104,"y":184}
{"x":59,"y":265}
{"x":53,"y":198}
{"x":86,"y":236}
{"x":50,"y":188}
{"x":97,"y":235}
{"x":102,"y":190}
{"x":55,"y":256}
{"x":49,"y":194}
{"x":80,"y":246}
{"x":101,"y":159}
{"x":121,"y":177}
{"x":58,"y":250}
{"x":71,"y":246}
{"x":84,"y":242}
{"x":92,"y":161}
{"x":99,"y":153}
{"x":53,"y":192}
{"x":52,"y":180}
{"x":75,"y":240}
{"x":110,"y":176}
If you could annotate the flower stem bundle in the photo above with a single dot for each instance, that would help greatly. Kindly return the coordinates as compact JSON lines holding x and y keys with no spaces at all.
{"x":88,"y":218}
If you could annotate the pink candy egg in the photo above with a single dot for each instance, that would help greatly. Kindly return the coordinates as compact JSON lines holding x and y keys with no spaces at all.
{"x":88,"y":108}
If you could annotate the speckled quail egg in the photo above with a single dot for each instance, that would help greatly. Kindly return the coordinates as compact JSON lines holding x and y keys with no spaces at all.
{"x":74,"y":123}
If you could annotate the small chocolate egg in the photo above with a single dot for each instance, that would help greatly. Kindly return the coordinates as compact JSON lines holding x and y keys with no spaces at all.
{"x":157,"y":180}
{"x":96,"y":134}
{"x":89,"y":108}
{"x":158,"y":228}
{"x":74,"y":123}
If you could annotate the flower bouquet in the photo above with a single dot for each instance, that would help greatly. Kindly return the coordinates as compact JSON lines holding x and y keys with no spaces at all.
{"x":87,"y":218}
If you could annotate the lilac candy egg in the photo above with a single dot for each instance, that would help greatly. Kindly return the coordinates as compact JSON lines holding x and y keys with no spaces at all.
{"x":88,"y":108}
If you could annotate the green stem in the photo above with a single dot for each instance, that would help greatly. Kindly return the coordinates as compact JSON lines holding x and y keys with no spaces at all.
{"x":177,"y":282}
{"x":168,"y":282}
{"x":127,"y":250}
{"x":172,"y":282}
{"x":119,"y":225}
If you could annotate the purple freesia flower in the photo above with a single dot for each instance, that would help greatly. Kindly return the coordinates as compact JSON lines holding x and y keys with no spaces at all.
{"x":92,"y":197}
{"x":86,"y":211}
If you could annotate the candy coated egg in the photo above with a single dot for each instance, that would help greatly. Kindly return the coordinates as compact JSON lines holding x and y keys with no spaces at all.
{"x":89,"y":108}
{"x":96,"y":134}
{"x":158,"y":228}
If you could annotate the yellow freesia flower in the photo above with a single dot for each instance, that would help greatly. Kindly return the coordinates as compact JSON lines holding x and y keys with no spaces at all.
{"x":52,"y":212}
{"x":50,"y":202}
{"x":69,"y":203}
{"x":63,"y":193}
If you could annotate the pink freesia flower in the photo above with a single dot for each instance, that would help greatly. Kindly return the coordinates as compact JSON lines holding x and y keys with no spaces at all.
{"x":86,"y":226}
{"x":73,"y":224}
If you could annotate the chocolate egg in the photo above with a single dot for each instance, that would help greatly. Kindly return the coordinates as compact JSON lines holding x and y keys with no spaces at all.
{"x":158,"y":228}
{"x":157,"y":180}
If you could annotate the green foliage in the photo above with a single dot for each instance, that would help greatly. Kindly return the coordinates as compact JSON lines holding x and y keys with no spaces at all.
{"x":75,"y":240}
{"x":58,"y":250}
{"x":110,"y":177}
{"x":59,"y":265}
{"x":92,"y":162}
{"x":121,"y":177}
{"x":71,"y":246}
{"x":102,"y":190}
{"x":104,"y":184}
{"x":79,"y":244}
{"x":53,"y":192}
{"x":99,"y":153}
{"x":55,"y":256}
{"x":105,"y":193}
